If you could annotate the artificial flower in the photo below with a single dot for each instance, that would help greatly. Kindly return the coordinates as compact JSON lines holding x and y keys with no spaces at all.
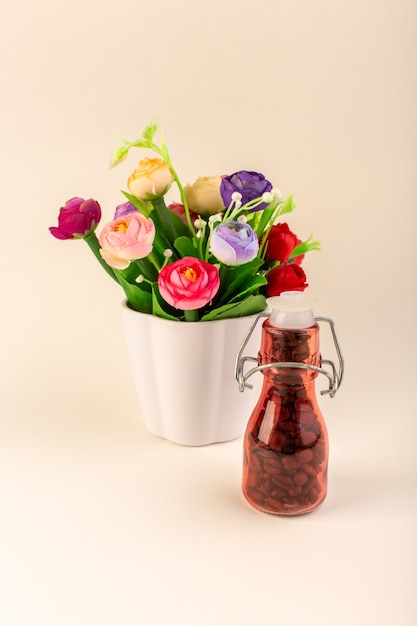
{"x":203,"y":197}
{"x":125,"y":239}
{"x":229,"y":242}
{"x":179,"y":209}
{"x":77,"y":219}
{"x":281,"y":242}
{"x":285,"y":277}
{"x":234,"y":243}
{"x":124,"y":209}
{"x":250,"y":185}
{"x":151,"y":179}
{"x":188,"y":283}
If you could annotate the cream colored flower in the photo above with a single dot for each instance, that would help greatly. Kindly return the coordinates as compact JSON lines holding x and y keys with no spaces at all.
{"x":203,"y":197}
{"x":151,"y":179}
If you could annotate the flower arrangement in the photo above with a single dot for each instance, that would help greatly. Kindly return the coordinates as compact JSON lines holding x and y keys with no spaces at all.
{"x":217,"y":253}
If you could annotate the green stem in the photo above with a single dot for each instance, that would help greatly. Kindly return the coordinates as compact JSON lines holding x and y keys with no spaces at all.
{"x":165,"y":155}
{"x":191,"y":316}
{"x":94,"y":245}
{"x":152,"y":258}
{"x":228,"y":212}
{"x":224,"y":274}
{"x":185,"y":203}
{"x":163,"y":152}
{"x":201,"y":242}
{"x":148,"y":269}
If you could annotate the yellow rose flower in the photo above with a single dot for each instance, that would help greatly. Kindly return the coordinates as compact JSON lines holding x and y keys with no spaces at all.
{"x":203,"y":197}
{"x":151,"y":179}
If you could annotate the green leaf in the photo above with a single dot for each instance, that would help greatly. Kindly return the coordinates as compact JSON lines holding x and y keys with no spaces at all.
{"x":306,"y":246}
{"x":149,"y":131}
{"x":118,"y":155}
{"x":165,"y":218}
{"x":287,"y":206}
{"x":185,"y":247}
{"x":264,"y":219}
{"x":143,"y":207}
{"x":253,"y":284}
{"x":131,"y":273}
{"x":180,"y":227}
{"x":250,"y":306}
{"x":138,"y":298}
{"x":164,"y":149}
{"x":94,"y":245}
{"x":159,"y":305}
{"x":238,"y":279}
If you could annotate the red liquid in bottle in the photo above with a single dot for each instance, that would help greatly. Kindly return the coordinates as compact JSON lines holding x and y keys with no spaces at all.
{"x":286,"y":443}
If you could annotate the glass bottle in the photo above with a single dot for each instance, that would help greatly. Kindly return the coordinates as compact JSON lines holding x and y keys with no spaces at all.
{"x":286,"y":442}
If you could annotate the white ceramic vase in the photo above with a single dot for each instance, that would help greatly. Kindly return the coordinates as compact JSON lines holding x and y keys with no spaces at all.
{"x":185,"y":379}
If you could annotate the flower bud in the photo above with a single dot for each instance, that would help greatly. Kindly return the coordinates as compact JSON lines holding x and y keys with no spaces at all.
{"x":281,"y":241}
{"x":200,"y":224}
{"x":124,"y":209}
{"x":250,"y":185}
{"x":77,"y":219}
{"x":234,"y":243}
{"x":286,"y":277}
{"x":203,"y":197}
{"x":150,"y":180}
{"x":267,"y":197}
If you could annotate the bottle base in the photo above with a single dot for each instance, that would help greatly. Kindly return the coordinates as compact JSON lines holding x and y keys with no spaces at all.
{"x":273,"y":506}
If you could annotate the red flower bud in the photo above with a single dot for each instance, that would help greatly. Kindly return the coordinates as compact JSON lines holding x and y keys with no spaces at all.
{"x":281,"y":243}
{"x":286,"y":277}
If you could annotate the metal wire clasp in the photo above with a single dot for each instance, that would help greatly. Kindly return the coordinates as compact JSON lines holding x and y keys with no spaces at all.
{"x":335,"y":376}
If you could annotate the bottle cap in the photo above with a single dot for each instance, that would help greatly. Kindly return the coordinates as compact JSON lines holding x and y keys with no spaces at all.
{"x":292,"y":309}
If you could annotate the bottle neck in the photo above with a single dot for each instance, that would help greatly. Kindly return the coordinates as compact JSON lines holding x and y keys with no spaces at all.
{"x":289,"y":386}
{"x":280,"y":345}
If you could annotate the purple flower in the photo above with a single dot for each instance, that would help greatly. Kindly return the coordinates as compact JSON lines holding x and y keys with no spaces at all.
{"x":250,"y":185}
{"x":77,"y":219}
{"x":124,"y":209}
{"x":234,"y":243}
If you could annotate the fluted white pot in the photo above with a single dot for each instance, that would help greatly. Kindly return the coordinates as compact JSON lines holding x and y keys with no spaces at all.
{"x":184,"y":376}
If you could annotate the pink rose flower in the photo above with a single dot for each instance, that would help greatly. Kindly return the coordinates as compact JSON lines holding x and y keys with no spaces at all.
{"x":125,"y":239}
{"x":188,"y":283}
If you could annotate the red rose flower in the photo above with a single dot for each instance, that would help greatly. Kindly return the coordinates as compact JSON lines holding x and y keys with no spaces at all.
{"x":281,"y":243}
{"x":285,"y":277}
